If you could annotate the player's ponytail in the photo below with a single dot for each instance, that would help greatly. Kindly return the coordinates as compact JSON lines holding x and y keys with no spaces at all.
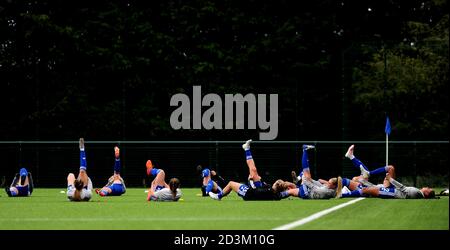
{"x":174,"y":184}
{"x":78,"y":184}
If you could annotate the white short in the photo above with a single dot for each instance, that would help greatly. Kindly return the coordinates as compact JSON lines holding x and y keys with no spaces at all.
{"x":165,"y":195}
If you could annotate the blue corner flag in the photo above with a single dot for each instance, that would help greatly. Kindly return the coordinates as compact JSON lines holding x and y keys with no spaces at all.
{"x":387,"y":129}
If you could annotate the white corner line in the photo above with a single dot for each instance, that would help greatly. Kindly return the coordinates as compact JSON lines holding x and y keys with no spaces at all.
{"x":316,"y":215}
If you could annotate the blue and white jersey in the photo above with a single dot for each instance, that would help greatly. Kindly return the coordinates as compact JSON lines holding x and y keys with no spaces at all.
{"x":386,"y":192}
{"x":242,"y":190}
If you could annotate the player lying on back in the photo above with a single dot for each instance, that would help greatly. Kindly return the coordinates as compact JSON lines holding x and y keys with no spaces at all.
{"x":308,"y":188}
{"x":389,"y":189}
{"x":115,"y":185}
{"x":22,"y":184}
{"x":358,"y":182}
{"x":159,"y":189}
{"x":365,"y":172}
{"x":255,"y":190}
{"x":80,"y":189}
{"x":210,"y":181}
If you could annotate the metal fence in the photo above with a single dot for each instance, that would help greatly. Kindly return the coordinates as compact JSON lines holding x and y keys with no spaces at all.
{"x":417,"y":162}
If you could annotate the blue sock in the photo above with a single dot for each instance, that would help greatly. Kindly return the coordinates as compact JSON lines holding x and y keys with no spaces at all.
{"x":357,"y":163}
{"x":220,"y":195}
{"x":117,"y":166}
{"x":155,"y":171}
{"x":83,"y":164}
{"x":355,"y":193}
{"x":284,"y":194}
{"x":345,"y":182}
{"x":305,"y":162}
{"x":209,"y":186}
{"x":381,"y":170}
{"x":248,"y":154}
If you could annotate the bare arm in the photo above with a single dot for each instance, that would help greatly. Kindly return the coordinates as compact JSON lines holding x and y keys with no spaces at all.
{"x":151,"y":191}
{"x":289,"y":185}
{"x":294,"y":192}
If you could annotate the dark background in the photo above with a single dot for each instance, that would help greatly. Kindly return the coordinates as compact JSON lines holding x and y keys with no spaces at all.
{"x":107,"y":70}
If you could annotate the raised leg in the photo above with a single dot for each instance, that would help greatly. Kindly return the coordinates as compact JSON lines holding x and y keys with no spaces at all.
{"x":253,"y":172}
{"x":70,"y":179}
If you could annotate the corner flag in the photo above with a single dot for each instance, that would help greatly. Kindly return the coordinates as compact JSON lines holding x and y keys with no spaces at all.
{"x":387,"y":129}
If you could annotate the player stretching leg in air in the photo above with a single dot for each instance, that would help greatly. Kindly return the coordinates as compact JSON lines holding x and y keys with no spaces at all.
{"x":365,"y":172}
{"x":80,"y":189}
{"x":159,"y":189}
{"x":361,"y":181}
{"x":115,"y":185}
{"x":397,"y":190}
{"x":253,"y":178}
{"x":256,"y":190}
{"x":22,"y":184}
{"x":310,"y":188}
{"x":209,"y":185}
{"x":390,"y":187}
{"x":211,"y":180}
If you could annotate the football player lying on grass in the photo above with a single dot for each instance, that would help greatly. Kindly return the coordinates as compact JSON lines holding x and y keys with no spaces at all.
{"x":115,"y":185}
{"x":362,"y":180}
{"x":389,"y":189}
{"x":255,"y":190}
{"x":159,"y":189}
{"x":308,"y":188}
{"x":211,"y":181}
{"x":365,"y":172}
{"x":22,"y":184}
{"x":80,"y":189}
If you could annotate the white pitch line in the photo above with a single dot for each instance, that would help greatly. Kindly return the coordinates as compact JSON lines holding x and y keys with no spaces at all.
{"x":316,"y":215}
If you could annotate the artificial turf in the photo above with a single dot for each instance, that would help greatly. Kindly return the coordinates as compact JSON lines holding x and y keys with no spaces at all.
{"x":49,"y":209}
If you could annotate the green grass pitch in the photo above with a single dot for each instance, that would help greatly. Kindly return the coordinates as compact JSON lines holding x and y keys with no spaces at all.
{"x":49,"y":209}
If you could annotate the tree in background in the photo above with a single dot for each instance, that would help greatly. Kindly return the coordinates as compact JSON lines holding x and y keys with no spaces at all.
{"x":113,"y":65}
{"x":415,"y":90}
